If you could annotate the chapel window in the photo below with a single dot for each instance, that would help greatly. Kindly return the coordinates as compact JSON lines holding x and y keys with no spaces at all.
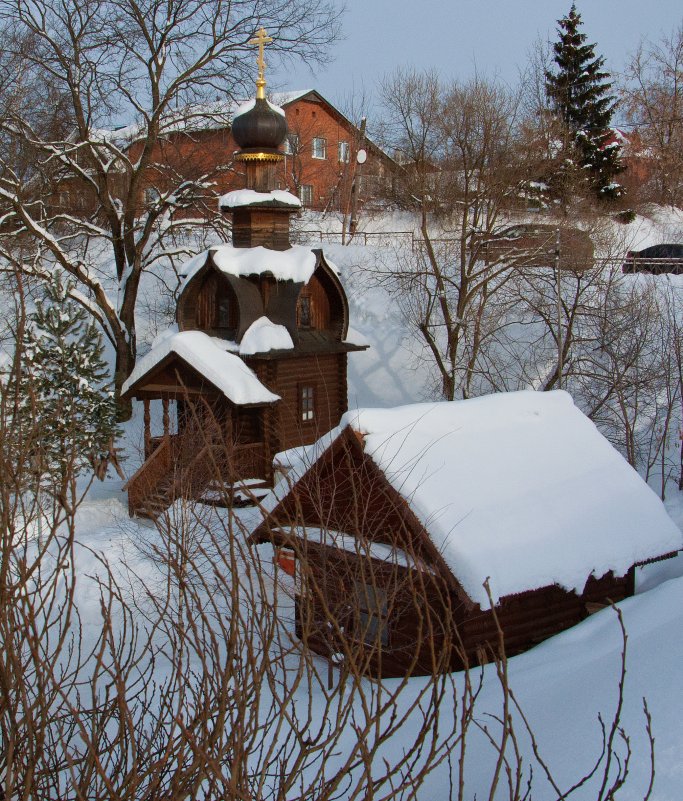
{"x":304,"y":317}
{"x":307,"y":403}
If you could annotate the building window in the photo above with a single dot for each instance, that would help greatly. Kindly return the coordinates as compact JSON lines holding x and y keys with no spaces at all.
{"x":223,"y":313}
{"x":304,"y":311}
{"x":371,"y":603}
{"x":306,"y":194}
{"x":292,"y":144}
{"x":343,"y":152}
{"x":307,"y":403}
{"x":319,"y":148}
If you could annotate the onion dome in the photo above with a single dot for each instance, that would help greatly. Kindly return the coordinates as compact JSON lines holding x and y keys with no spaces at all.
{"x":260,"y":129}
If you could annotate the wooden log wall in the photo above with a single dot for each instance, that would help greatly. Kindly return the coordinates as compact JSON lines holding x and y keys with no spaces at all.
{"x":266,"y":227}
{"x":413,"y":621}
{"x":286,"y":377}
{"x":531,"y":617}
{"x":346,"y":492}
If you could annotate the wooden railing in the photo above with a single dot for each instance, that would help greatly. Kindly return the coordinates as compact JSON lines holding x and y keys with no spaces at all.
{"x":149,"y":475}
{"x":248,"y":461}
{"x":178,"y":468}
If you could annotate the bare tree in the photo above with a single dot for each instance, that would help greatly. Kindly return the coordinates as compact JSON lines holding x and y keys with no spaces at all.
{"x":653,"y":94}
{"x":464,"y":164}
{"x":176,"y":673}
{"x":146,"y":66}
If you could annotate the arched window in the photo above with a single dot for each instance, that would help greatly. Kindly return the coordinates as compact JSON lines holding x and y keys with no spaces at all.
{"x":216,"y":309}
{"x":304,"y":317}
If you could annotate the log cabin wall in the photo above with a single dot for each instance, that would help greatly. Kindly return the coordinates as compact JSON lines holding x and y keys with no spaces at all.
{"x":531,"y":617}
{"x":346,"y":492}
{"x":336,"y":584}
{"x":252,"y":227}
{"x":288,"y":377}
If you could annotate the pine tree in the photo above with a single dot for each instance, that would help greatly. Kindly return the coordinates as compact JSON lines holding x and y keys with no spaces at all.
{"x":579,"y":95}
{"x":65,"y":381}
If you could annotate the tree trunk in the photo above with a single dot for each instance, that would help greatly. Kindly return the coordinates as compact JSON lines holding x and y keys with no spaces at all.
{"x":125,"y":361}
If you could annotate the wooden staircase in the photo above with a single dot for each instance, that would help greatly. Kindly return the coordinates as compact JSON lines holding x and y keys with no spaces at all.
{"x":177,"y":468}
{"x":157,"y":501}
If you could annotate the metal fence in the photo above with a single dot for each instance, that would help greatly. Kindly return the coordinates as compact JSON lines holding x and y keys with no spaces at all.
{"x":656,"y":266}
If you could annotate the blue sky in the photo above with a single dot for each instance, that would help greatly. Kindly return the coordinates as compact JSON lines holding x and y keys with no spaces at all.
{"x":457,"y":36}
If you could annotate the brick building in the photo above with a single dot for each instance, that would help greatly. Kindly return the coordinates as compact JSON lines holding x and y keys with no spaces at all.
{"x":197,"y":145}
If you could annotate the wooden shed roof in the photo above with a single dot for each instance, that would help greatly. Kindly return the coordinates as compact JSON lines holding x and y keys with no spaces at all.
{"x":517,"y":488}
{"x":207,"y":357}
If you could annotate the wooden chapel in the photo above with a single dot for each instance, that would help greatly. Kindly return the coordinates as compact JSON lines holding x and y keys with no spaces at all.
{"x":258,"y":363}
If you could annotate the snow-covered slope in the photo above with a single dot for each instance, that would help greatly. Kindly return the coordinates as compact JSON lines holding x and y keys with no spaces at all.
{"x":564,"y":683}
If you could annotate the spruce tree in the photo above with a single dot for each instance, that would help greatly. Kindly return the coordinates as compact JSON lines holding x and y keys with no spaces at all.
{"x":66,"y":387}
{"x":580,"y":98}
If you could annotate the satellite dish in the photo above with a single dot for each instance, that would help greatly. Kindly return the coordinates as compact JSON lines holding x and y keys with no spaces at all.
{"x":361,"y":156}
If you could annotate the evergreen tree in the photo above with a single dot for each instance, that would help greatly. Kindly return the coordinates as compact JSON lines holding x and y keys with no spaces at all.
{"x":579,"y":95}
{"x":65,"y":382}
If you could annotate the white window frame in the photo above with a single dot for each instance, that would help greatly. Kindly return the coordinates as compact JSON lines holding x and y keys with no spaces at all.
{"x":307,"y":400}
{"x":306,"y":194}
{"x":319,"y":147}
{"x":343,"y":152}
{"x":292,"y":144}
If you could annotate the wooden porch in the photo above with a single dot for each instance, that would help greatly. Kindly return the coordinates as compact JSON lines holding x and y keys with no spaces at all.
{"x":207,"y":457}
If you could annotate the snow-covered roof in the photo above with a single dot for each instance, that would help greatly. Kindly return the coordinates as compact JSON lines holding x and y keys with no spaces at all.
{"x":249,"y":197}
{"x":283,"y":98}
{"x":375,"y":550}
{"x":519,"y":488}
{"x":248,"y":105}
{"x":263,"y":336}
{"x":209,"y":356}
{"x":297,"y":263}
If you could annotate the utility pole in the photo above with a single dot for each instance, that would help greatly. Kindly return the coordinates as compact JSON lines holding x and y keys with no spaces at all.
{"x":559,"y":309}
{"x":361,"y":156}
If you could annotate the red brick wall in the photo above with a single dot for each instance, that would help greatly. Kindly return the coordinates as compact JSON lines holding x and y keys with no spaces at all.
{"x":209,"y":154}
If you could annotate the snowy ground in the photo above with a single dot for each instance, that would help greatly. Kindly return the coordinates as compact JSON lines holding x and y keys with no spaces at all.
{"x":563,"y":684}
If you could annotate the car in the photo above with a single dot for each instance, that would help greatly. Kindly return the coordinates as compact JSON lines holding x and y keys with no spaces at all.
{"x":536,"y":245}
{"x":657,"y":259}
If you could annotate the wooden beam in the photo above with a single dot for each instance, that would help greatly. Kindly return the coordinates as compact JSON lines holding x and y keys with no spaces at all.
{"x":148,"y":433}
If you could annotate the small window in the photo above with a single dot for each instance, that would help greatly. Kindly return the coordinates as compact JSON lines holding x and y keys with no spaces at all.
{"x":306,"y":194}
{"x":319,"y":148}
{"x":223,"y":315}
{"x":304,"y":311}
{"x":292,"y":145}
{"x":343,"y":152}
{"x":371,"y":602}
{"x":307,"y":404}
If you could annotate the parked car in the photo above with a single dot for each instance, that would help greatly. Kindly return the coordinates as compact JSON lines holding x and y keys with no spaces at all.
{"x":656,"y":259}
{"x":535,"y":245}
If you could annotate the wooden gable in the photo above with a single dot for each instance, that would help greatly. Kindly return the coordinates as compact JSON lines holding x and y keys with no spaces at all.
{"x":344,"y":491}
{"x":173,"y":378}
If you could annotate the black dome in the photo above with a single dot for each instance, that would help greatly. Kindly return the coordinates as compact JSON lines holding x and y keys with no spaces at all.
{"x":260,"y":127}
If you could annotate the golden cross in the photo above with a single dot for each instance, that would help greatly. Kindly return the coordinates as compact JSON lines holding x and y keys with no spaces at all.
{"x":261,"y":39}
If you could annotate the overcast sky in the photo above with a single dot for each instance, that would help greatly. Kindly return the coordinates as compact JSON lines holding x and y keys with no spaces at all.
{"x":457,"y":36}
